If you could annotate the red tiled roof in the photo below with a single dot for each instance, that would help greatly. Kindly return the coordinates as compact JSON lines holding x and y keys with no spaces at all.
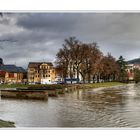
{"x":37,"y":64}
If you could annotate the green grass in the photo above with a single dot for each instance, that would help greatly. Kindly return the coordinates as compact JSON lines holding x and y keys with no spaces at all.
{"x":13,"y":86}
{"x":6,"y":124}
{"x":106,"y":84}
{"x":40,"y":86}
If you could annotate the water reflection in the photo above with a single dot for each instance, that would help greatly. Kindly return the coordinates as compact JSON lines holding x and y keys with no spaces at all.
{"x":113,"y":107}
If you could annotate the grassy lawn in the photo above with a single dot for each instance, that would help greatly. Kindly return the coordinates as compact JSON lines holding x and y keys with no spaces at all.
{"x":106,"y":84}
{"x":13,"y":86}
{"x":6,"y":124}
{"x":93,"y":85}
{"x":31,"y":86}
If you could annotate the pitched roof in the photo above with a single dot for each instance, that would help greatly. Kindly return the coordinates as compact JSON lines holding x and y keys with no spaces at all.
{"x":37,"y":64}
{"x":20,"y":69}
{"x":12,"y":68}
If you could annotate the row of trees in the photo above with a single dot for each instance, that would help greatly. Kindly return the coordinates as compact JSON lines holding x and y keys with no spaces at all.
{"x":85,"y":59}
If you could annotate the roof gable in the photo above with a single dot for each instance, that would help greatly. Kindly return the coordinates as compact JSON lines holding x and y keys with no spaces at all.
{"x":37,"y":64}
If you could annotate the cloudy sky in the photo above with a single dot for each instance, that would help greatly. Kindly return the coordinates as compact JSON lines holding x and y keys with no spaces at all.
{"x":28,"y":37}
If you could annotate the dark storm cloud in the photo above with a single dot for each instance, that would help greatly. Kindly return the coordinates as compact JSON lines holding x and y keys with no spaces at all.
{"x":38,"y":36}
{"x":48,"y":22}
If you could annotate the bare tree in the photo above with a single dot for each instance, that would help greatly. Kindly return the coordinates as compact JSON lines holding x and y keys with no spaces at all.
{"x":91,"y":56}
{"x":85,"y":59}
{"x":110,"y":69}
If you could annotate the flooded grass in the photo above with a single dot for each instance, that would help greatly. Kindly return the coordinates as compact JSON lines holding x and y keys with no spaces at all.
{"x":4,"y":124}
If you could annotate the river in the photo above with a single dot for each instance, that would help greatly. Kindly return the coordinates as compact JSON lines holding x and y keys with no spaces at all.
{"x":110,"y":107}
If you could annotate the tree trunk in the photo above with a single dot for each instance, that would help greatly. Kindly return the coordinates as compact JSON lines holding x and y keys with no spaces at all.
{"x":83,"y":77}
{"x":93,"y":78}
{"x":89,"y":76}
{"x":77,"y":74}
{"x":71,"y":73}
{"x":98,"y":78}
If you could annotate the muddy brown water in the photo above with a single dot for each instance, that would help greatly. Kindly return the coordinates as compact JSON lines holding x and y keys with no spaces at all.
{"x":113,"y":107}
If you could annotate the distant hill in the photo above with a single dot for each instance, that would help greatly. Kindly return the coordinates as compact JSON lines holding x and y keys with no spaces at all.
{"x":134,"y":61}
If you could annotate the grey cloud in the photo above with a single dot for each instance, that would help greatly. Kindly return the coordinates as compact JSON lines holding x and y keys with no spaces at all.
{"x":28,"y":37}
{"x":48,"y":22}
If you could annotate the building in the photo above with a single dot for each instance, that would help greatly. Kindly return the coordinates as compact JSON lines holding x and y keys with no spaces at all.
{"x":41,"y":72}
{"x":130,"y":70}
{"x":12,"y":73}
{"x":131,"y":65}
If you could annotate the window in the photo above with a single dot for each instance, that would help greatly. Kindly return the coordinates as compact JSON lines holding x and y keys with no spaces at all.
{"x":11,"y":75}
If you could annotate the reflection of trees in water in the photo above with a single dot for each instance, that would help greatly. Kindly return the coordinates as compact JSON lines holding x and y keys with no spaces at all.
{"x":108,"y":97}
{"x":97,"y":101}
{"x":87,"y":107}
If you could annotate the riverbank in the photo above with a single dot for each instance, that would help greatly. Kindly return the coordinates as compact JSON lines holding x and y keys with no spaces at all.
{"x":41,"y":92}
{"x":24,"y":94}
{"x":4,"y":124}
{"x":58,"y":87}
{"x":99,"y":85}
{"x":55,"y":86}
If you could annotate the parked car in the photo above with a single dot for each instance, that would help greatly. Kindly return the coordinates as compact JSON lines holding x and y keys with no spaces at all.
{"x":60,"y":82}
{"x":37,"y":83}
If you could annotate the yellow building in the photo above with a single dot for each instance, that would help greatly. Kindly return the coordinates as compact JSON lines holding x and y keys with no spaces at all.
{"x":41,"y":72}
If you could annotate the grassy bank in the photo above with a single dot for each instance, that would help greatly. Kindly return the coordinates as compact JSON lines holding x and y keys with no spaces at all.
{"x":97,"y":85}
{"x":13,"y":86}
{"x":4,"y":124}
{"x":31,"y":86}
{"x":49,"y":87}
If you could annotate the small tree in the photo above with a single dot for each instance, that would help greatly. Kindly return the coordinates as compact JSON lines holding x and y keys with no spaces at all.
{"x":122,"y":65}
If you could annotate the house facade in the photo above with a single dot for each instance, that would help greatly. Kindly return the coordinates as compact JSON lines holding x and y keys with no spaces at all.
{"x":12,"y":73}
{"x":130,"y":70}
{"x":41,"y":72}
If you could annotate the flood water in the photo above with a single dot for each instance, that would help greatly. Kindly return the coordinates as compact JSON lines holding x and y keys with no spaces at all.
{"x":113,"y":107}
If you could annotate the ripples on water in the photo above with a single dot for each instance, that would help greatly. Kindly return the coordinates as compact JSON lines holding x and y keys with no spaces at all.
{"x":113,"y":107}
